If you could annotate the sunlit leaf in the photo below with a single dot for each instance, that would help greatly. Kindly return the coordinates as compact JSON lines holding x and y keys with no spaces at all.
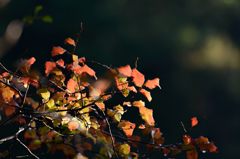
{"x":125,"y":149}
{"x":202,"y":140}
{"x":82,"y":60}
{"x":71,"y":84}
{"x":49,"y":66}
{"x":147,"y":115}
{"x":7,"y":94}
{"x":56,"y":50}
{"x":125,"y":70}
{"x":194,"y":121}
{"x":186,"y":139}
{"x":139,"y":103}
{"x":86,"y":69}
{"x":151,"y":84}
{"x":137,"y":77}
{"x":60,"y":62}
{"x":45,"y":94}
{"x":147,"y":94}
{"x":69,"y":41}
{"x":127,"y":127}
{"x":26,"y":64}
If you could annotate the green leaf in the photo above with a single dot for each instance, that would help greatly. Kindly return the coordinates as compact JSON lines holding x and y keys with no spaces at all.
{"x":47,"y":19}
{"x":36,"y":143}
{"x":45,"y":94}
{"x":38,"y":8}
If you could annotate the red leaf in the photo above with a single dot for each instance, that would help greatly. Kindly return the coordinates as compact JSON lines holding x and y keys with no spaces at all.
{"x":69,"y":41}
{"x":127,"y":127}
{"x":26,"y":64}
{"x":125,"y":70}
{"x":137,"y":77}
{"x":86,"y":69}
{"x":71,"y":84}
{"x":147,"y":115}
{"x":152,"y":83}
{"x":186,"y":139}
{"x":194,"y":121}
{"x":9,"y":110}
{"x":146,"y":94}
{"x":57,"y":50}
{"x":209,"y":147}
{"x":192,"y":154}
{"x":82,"y":60}
{"x":60,"y":62}
{"x":49,"y":66}
{"x":202,"y":140}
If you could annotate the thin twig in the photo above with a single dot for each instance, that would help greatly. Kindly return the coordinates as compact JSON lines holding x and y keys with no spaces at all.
{"x":76,"y":41}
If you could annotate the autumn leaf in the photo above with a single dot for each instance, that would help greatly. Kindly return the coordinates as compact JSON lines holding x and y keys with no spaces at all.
{"x":194,"y":121}
{"x":192,"y":154}
{"x":7,"y":94}
{"x":69,"y":41}
{"x":60,"y":62}
{"x":139,"y":103}
{"x":125,"y":149}
{"x":9,"y":110}
{"x":147,"y":94}
{"x":71,"y":84}
{"x":127,"y":127}
{"x":137,"y":77}
{"x":125,"y":70}
{"x":82,"y":60}
{"x":147,"y":115}
{"x":75,"y":61}
{"x":132,"y":88}
{"x":49,"y":66}
{"x":202,"y":140}
{"x":151,"y":84}
{"x":86,"y":69}
{"x":208,"y":147}
{"x":186,"y":139}
{"x":26,"y":64}
{"x":57,"y":50}
{"x":45,"y":94}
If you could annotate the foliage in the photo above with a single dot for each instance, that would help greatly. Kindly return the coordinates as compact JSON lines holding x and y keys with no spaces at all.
{"x":69,"y":110}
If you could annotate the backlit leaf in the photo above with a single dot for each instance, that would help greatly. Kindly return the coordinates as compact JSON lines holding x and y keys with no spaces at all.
{"x":45,"y":94}
{"x":139,"y":103}
{"x":60,"y":62}
{"x":56,"y":50}
{"x":147,"y":115}
{"x":82,"y":60}
{"x":71,"y":84}
{"x":186,"y":139}
{"x":202,"y":140}
{"x":194,"y":121}
{"x":127,"y":127}
{"x":86,"y":69}
{"x":69,"y":41}
{"x":137,"y":77}
{"x":125,"y":149}
{"x":26,"y":64}
{"x":125,"y":70}
{"x":49,"y":66}
{"x":147,"y":94}
{"x":208,"y":147}
{"x":7,"y":94}
{"x":151,"y":84}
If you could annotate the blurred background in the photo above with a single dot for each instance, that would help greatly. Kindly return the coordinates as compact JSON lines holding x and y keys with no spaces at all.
{"x":191,"y":45}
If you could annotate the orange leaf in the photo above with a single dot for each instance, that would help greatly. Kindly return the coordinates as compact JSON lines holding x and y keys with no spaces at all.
{"x":60,"y":62}
{"x":186,"y":139}
{"x":73,"y":125}
{"x":9,"y":110}
{"x":49,"y":66}
{"x":26,"y":64}
{"x":192,"y":154}
{"x":82,"y":60}
{"x":146,"y":94}
{"x":209,"y":147}
{"x":139,"y":103}
{"x":137,"y":77}
{"x":132,"y":88}
{"x":147,"y":115}
{"x":56,"y":50}
{"x":202,"y":140}
{"x":125,"y":70}
{"x":69,"y":41}
{"x":127,"y":127}
{"x":152,"y":83}
{"x":6,"y":94}
{"x":86,"y":69}
{"x":71,"y":84}
{"x":75,"y":61}
{"x":127,"y":104}
{"x":194,"y":121}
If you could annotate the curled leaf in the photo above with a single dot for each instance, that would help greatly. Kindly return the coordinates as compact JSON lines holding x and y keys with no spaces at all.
{"x":151,"y":84}
{"x":69,"y":41}
{"x":57,"y":50}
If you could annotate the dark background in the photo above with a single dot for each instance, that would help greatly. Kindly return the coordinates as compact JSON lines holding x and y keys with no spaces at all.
{"x":191,"y":45}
